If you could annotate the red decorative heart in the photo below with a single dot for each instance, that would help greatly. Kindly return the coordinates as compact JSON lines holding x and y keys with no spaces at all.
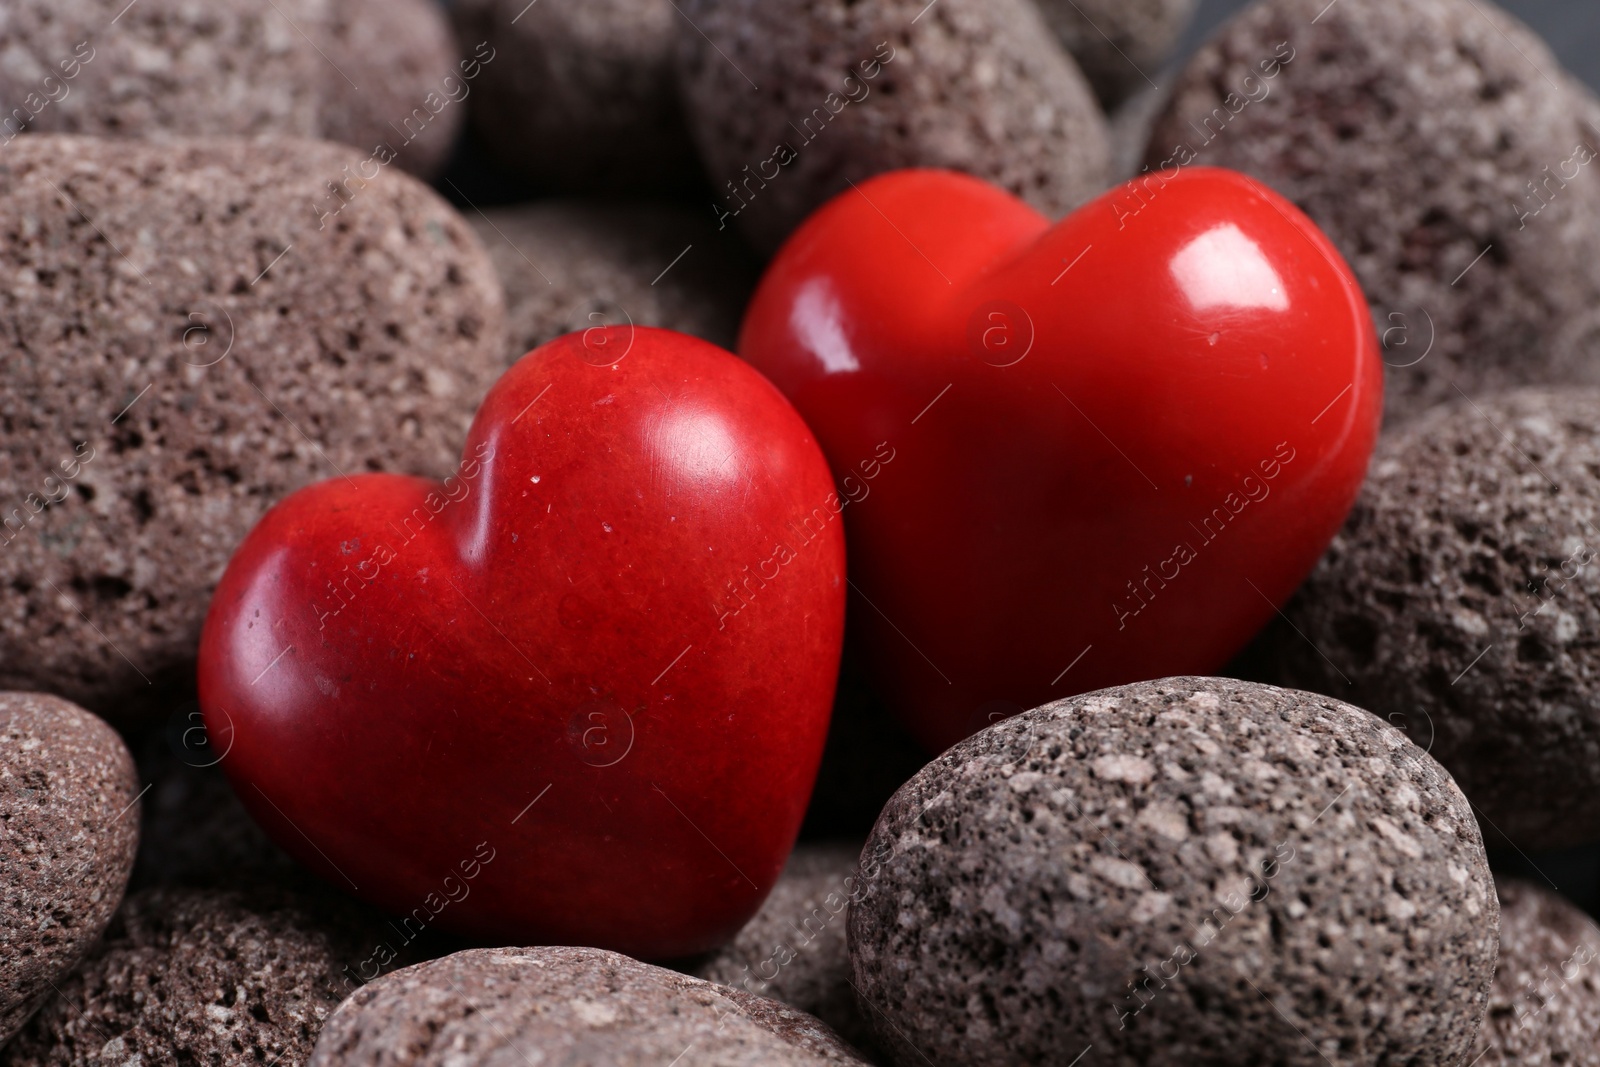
{"x":1121,"y":440}
{"x":575,"y":694}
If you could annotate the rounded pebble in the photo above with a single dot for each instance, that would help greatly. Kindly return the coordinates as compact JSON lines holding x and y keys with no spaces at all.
{"x":224,"y":331}
{"x":581,"y":1007}
{"x":851,"y":88}
{"x":794,"y":949}
{"x":335,"y":69}
{"x":1461,"y":602}
{"x":222,"y":68}
{"x":69,"y":826}
{"x":1120,"y":44}
{"x":581,"y":96}
{"x":576,"y":264}
{"x":1429,"y":139}
{"x":193,"y":977}
{"x":393,"y":77}
{"x":1190,"y":871}
{"x":1544,"y":1008}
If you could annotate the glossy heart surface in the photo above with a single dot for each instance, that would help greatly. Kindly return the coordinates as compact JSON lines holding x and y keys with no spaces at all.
{"x":574,"y":694}
{"x":1120,"y":441}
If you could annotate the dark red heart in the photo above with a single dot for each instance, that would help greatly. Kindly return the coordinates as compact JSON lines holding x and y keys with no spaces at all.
{"x":1121,"y":440}
{"x":578,"y":692}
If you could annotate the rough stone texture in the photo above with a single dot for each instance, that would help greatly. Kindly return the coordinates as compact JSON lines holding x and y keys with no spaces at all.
{"x":189,"y":977}
{"x":581,"y":96}
{"x":1120,"y":44}
{"x":129,"y":468}
{"x":1190,"y":871}
{"x":1544,"y":1007}
{"x":1462,"y":599}
{"x":581,"y":1007}
{"x":575,"y":264}
{"x":973,"y":85}
{"x":405,"y":86}
{"x":1412,"y":133}
{"x":794,"y":949}
{"x":69,"y":826}
{"x":228,"y":68}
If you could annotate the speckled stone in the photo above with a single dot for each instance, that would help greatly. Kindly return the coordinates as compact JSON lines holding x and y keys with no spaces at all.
{"x":574,"y":264}
{"x":337,"y":69}
{"x":395,"y":76}
{"x":794,"y":949}
{"x":1544,"y":1008}
{"x":1462,"y":600}
{"x":581,"y":1007}
{"x":1190,"y":871}
{"x":581,"y":96}
{"x":191,"y":977}
{"x":1413,"y":133}
{"x":69,"y":825}
{"x":187,"y":348}
{"x":813,"y":94}
{"x":1120,"y":44}
{"x":221,"y":68}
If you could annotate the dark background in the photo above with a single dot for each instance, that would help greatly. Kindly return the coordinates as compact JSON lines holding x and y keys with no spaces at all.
{"x":1571,"y":26}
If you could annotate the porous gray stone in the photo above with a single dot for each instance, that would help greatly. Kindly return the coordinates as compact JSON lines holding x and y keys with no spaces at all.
{"x":192,"y":977}
{"x":576,"y":264}
{"x":1189,"y":871}
{"x":194,"y":334}
{"x":1120,"y":44}
{"x":393,"y":77}
{"x":335,"y":69}
{"x":1544,"y":1007}
{"x":69,"y":826}
{"x":581,"y":96}
{"x":794,"y":949}
{"x":582,"y":1007}
{"x":1449,"y":157}
{"x":1461,"y":601}
{"x":792,"y":100}
{"x":224,"y":68}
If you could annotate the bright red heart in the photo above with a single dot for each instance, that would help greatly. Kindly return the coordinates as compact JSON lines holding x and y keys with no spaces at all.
{"x":577,"y":693}
{"x":1120,"y":441}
